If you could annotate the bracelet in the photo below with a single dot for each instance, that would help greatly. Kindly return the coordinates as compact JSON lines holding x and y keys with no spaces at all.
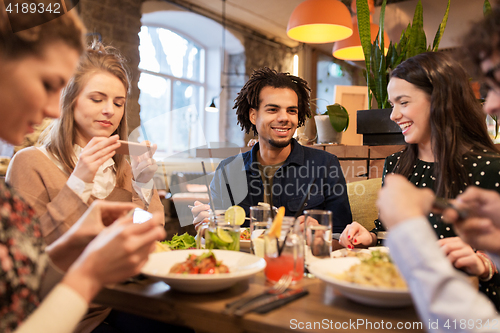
{"x":488,"y":264}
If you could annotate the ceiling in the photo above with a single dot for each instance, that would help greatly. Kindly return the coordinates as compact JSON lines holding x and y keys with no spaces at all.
{"x":269,"y":18}
{"x":266,"y":17}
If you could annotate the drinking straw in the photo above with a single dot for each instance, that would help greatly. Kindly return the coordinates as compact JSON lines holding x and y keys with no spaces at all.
{"x":208,"y":186}
{"x":301,"y":208}
{"x":227,"y":186}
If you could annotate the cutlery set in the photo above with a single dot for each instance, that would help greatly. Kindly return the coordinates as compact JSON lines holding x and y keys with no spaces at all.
{"x":270,"y":299}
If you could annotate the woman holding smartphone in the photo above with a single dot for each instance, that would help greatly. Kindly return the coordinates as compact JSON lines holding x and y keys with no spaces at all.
{"x":35,"y":65}
{"x":77,"y":162}
{"x":447,"y":149}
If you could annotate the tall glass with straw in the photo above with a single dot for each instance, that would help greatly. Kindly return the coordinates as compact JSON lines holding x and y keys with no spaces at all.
{"x":284,"y":248}
{"x":221,"y":232}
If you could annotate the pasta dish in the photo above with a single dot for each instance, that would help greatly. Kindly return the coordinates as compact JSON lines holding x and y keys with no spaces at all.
{"x":376,"y":271}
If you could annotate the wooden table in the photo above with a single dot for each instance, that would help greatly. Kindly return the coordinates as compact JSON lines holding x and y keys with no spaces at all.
{"x":203,"y":312}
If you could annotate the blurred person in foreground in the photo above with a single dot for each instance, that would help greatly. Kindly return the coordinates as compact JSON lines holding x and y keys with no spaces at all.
{"x":77,"y":162}
{"x":403,"y":209}
{"x":278,"y":169}
{"x":103,"y":246}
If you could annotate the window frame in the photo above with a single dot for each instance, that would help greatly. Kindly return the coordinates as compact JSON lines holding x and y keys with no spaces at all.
{"x":201,"y":84}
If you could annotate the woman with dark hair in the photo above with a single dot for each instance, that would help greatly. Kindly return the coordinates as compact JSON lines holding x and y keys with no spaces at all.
{"x":35,"y":65}
{"x":448,"y":148}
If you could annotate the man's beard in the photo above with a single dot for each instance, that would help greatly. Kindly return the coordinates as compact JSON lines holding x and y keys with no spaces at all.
{"x":279,"y":144}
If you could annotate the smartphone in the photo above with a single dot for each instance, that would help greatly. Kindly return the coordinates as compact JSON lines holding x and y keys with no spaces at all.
{"x":132,"y":148}
{"x":441,"y":204}
{"x":141,"y":216}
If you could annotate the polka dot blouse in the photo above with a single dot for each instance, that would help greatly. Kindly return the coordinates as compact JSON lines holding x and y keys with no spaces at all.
{"x":483,"y":171}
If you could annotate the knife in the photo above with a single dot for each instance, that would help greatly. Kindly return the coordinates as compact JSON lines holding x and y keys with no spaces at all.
{"x":272,"y":302}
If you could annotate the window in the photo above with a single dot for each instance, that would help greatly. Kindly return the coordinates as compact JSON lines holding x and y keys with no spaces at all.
{"x":329,"y":75}
{"x":172,"y":84}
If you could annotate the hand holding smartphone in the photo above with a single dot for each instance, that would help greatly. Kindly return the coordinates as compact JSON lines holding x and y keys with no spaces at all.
{"x":132,"y":148}
{"x":140,"y":215}
{"x":440,"y":204}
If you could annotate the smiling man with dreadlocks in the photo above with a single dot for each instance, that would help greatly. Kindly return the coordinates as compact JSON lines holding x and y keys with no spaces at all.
{"x":278,"y":170}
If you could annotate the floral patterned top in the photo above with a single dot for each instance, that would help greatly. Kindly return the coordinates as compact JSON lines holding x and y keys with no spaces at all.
{"x":22,"y":259}
{"x":484,"y":172}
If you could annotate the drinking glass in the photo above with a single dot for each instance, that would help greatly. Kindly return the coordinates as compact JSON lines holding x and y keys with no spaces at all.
{"x":219,"y":234}
{"x":291,"y":259}
{"x":260,"y":220}
{"x":318,"y":236}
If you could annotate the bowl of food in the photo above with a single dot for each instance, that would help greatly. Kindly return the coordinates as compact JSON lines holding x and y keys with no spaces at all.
{"x":372,"y":280}
{"x":202,"y":271}
{"x":244,"y":238}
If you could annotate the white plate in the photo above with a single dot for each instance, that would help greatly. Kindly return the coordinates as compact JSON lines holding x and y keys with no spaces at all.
{"x":325,"y":269}
{"x":343,"y":253}
{"x":241,"y":267}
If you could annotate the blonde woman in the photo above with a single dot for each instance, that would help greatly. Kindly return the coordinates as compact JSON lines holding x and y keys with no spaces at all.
{"x":77,"y":162}
{"x":35,"y":64}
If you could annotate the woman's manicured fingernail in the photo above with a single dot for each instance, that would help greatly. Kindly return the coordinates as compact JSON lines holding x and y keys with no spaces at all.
{"x":349,"y":237}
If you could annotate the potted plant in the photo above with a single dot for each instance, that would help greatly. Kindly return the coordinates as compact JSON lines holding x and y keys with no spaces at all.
{"x":375,"y":125}
{"x":331,"y":124}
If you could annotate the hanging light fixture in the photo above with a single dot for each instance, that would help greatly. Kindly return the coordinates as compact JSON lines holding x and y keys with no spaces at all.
{"x":212,"y":107}
{"x":320,"y":21}
{"x":350,"y":48}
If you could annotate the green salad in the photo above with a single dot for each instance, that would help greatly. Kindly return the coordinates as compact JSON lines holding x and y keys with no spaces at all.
{"x":182,"y":242}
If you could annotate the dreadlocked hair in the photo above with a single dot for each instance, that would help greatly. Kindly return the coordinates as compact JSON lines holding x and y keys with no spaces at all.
{"x":249,"y":96}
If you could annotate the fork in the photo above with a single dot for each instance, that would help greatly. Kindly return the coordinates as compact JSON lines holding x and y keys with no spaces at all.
{"x":278,"y":288}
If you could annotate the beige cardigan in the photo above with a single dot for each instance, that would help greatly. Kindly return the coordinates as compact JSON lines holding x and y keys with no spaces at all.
{"x":43,"y":185}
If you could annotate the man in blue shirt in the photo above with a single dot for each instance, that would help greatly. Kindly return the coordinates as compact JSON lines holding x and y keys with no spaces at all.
{"x":278,"y":170}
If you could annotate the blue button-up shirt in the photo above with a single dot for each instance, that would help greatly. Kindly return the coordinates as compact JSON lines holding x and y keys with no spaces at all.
{"x":290,"y":183}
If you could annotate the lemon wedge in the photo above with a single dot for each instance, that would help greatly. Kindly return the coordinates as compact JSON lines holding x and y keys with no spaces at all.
{"x":278,"y":221}
{"x":235,"y":215}
{"x":224,"y":235}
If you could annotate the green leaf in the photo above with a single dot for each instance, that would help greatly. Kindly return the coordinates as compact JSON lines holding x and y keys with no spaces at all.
{"x":416,"y":34}
{"x":442,"y":26}
{"x":363,"y":14}
{"x":381,"y":23}
{"x":486,"y":7}
{"x":339,"y":118}
{"x":378,"y":73}
{"x":373,"y":90}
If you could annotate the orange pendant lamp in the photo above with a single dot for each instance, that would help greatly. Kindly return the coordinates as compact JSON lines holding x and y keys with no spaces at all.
{"x":351,"y":49}
{"x":320,"y":21}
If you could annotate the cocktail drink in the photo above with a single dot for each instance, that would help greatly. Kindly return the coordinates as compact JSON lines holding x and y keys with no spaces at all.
{"x":223,"y":237}
{"x":220,"y":234}
{"x":284,"y":264}
{"x":257,"y":230}
{"x":260,"y":221}
{"x":291,"y":258}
